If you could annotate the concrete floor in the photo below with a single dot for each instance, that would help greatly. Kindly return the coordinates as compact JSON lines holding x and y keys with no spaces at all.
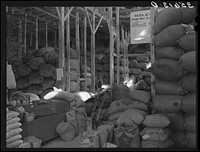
{"x":59,"y":143}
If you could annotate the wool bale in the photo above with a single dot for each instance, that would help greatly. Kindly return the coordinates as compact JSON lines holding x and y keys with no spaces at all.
{"x":177,"y":122}
{"x":189,"y":83}
{"x":156,"y":120}
{"x":47,"y":70}
{"x":169,"y":36}
{"x":190,"y":122}
{"x":189,"y":103}
{"x":140,"y":95}
{"x":166,"y":17}
{"x":167,"y":69}
{"x":23,"y":70}
{"x":168,"y":87}
{"x":188,"y":61}
{"x":168,"y":52}
{"x":124,"y":104}
{"x":120,"y":91}
{"x":155,"y":134}
{"x":188,"y":42}
{"x":187,"y":14}
{"x":167,"y":103}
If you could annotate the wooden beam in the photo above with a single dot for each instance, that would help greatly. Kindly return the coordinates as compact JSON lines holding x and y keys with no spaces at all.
{"x":25,"y":31}
{"x":67,"y":15}
{"x":88,"y":18}
{"x":98,"y":25}
{"x":46,"y":34}
{"x":111,"y":47}
{"x":93,"y":53}
{"x":118,"y":43}
{"x":52,"y":15}
{"x":68,"y":50}
{"x":36,"y":33}
{"x":153,"y":12}
{"x":78,"y":45}
{"x":85,"y":52}
{"x":58,"y":11}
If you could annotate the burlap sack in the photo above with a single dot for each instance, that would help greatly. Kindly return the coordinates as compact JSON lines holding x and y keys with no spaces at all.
{"x":124,"y":104}
{"x":48,"y":83}
{"x":47,"y":70}
{"x":36,"y":62}
{"x":120,"y":91}
{"x":23,"y":70}
{"x":89,"y":139}
{"x":155,"y":134}
{"x":35,"y":78}
{"x":127,"y":136}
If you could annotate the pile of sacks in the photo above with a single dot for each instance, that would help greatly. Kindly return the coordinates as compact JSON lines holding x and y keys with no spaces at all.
{"x":175,"y":72}
{"x":13,"y":130}
{"x":156,"y":133}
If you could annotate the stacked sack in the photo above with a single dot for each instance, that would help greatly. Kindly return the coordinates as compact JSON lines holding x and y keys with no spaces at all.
{"x":138,"y":66}
{"x":13,"y":130}
{"x":36,"y":74}
{"x":156,"y":133}
{"x":174,"y":70}
{"x":128,"y":114}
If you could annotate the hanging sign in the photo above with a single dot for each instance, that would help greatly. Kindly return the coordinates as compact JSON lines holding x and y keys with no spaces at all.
{"x":140,"y":26}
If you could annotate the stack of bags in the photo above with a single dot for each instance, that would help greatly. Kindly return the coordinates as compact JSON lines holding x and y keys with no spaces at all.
{"x":156,"y":133}
{"x":128,"y":114}
{"x":74,"y":70}
{"x":36,"y":74}
{"x":174,"y":70}
{"x":13,"y":130}
{"x":138,"y":66}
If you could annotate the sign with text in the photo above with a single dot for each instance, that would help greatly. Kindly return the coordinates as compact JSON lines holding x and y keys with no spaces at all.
{"x":140,"y":26}
{"x":59,"y":74}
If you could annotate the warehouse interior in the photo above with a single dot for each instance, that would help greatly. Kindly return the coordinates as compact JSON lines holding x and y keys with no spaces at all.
{"x":77,"y":78}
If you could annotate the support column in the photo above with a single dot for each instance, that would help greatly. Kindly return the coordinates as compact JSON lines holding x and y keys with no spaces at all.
{"x":111,"y":47}
{"x":93,"y":53}
{"x":36,"y":33}
{"x":78,"y":46}
{"x":68,"y":50}
{"x":85,"y":52}
{"x":46,"y":34}
{"x":118,"y":43}
{"x":25,"y":31}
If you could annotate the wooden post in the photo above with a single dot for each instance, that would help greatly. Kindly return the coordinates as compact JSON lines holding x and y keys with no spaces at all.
{"x":25,"y":30}
{"x":93,"y":52}
{"x":36,"y":33}
{"x":111,"y":47}
{"x":122,"y":32}
{"x":153,"y":11}
{"x":68,"y":50}
{"x":78,"y":45}
{"x":126,"y":54}
{"x":62,"y":48}
{"x":85,"y":52}
{"x":46,"y":33}
{"x":118,"y":43}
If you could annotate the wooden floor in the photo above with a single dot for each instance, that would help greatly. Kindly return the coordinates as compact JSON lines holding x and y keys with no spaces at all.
{"x":59,"y":143}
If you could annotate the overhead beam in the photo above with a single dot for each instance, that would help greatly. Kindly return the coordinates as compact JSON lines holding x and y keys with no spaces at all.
{"x":36,"y":8}
{"x":68,"y":12}
{"x":98,"y":25}
{"x":57,"y":9}
{"x":88,"y":18}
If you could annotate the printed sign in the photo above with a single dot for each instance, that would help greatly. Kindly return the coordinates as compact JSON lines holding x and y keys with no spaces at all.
{"x":140,"y":26}
{"x":59,"y":74}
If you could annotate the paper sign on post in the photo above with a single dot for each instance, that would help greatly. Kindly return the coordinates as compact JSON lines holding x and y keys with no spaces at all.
{"x":59,"y":74}
{"x":140,"y":26}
